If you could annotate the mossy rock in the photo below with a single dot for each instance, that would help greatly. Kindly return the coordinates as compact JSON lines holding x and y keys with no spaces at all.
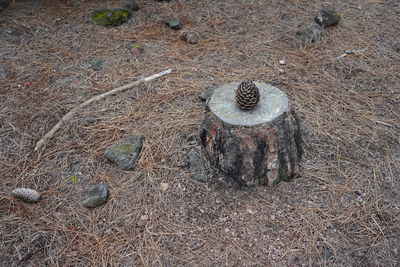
{"x":125,"y":153}
{"x":110,"y":17}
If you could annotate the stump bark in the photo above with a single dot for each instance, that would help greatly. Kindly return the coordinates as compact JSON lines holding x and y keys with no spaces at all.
{"x":262,"y":146}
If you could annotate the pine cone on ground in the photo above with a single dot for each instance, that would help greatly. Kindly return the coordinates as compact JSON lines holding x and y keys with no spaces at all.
{"x":247,"y":95}
{"x":190,"y":37}
{"x":26,"y":194}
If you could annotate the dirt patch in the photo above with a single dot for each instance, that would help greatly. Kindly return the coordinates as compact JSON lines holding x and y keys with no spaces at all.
{"x":343,"y":208}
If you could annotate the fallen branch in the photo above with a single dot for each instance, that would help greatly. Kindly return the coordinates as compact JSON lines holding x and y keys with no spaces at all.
{"x":70,"y":114}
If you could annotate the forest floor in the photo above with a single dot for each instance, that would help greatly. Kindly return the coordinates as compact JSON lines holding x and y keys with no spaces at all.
{"x":343,"y":209}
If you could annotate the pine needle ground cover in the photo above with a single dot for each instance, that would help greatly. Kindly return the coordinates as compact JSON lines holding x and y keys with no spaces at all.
{"x":342,"y":209}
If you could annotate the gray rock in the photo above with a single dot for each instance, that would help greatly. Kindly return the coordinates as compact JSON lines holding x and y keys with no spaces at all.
{"x":174,"y":24}
{"x":327,"y":18}
{"x":206,"y":94}
{"x":197,"y":166}
{"x":97,"y":195}
{"x":125,"y":153}
{"x":131,"y":5}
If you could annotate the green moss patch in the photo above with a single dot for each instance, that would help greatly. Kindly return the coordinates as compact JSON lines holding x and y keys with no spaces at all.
{"x":125,"y":148}
{"x":110,"y":17}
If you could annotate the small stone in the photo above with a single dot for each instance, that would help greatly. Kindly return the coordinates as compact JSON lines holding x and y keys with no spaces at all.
{"x":97,"y":195}
{"x":131,"y":5}
{"x":282,"y":62}
{"x":173,"y":24}
{"x":125,"y":153}
{"x":327,"y":18}
{"x":164,"y":186}
{"x":206,"y":94}
{"x":197,"y":166}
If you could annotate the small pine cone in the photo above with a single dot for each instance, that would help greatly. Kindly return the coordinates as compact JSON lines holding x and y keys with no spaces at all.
{"x":26,"y":194}
{"x":247,"y":95}
{"x":190,"y":37}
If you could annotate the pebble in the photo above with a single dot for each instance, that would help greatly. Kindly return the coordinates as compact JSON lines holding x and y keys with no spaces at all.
{"x":164,"y":186}
{"x":282,"y":62}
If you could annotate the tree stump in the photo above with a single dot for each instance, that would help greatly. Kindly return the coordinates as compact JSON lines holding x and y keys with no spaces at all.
{"x":261,"y":146}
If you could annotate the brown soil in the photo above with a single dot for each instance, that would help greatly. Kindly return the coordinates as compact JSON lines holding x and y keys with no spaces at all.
{"x":342,"y":210}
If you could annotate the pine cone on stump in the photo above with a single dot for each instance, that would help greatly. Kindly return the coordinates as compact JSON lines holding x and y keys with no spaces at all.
{"x":247,"y":95}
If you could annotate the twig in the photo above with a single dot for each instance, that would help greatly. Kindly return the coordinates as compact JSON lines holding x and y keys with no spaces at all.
{"x":384,"y":123}
{"x":71,"y":113}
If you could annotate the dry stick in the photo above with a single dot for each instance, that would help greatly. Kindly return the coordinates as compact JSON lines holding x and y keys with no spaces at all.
{"x":70,"y":114}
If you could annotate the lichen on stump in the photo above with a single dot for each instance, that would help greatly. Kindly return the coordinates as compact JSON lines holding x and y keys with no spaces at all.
{"x":262,"y":146}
